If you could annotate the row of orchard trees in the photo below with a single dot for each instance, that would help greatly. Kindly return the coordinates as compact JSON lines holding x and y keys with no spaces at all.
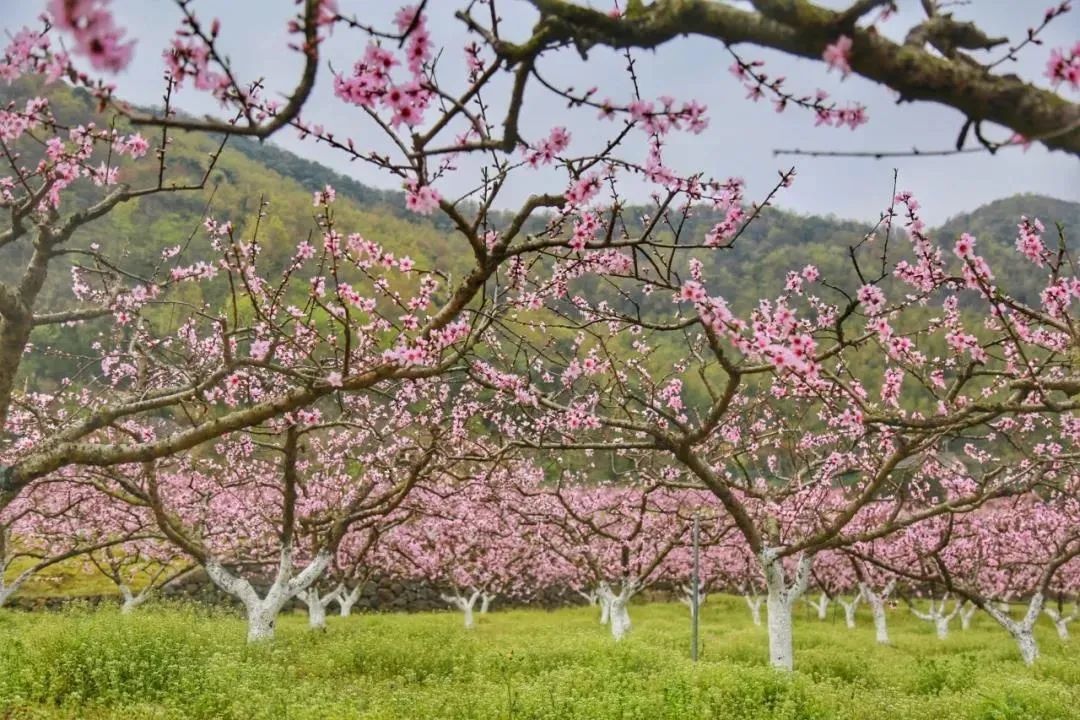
{"x":504,"y":532}
{"x":332,"y":409}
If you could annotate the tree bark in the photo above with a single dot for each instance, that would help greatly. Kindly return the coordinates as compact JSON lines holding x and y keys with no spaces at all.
{"x":821,"y":605}
{"x":616,"y":605}
{"x":754,"y":603}
{"x":465,"y":605}
{"x":687,"y":598}
{"x":262,"y":612}
{"x":1061,"y":622}
{"x":1022,"y":631}
{"x":779,"y":601}
{"x":937,"y":615}
{"x":346,"y":600}
{"x":966,"y":613}
{"x":317,"y":605}
{"x":877,"y":608}
{"x":850,"y":606}
{"x":131,"y":600}
{"x":804,"y":29}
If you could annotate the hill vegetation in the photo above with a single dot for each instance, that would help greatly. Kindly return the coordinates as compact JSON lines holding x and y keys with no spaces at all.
{"x":251,"y":177}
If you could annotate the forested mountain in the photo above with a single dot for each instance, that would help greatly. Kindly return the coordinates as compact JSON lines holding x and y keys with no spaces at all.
{"x":250,"y":173}
{"x":776,"y":242}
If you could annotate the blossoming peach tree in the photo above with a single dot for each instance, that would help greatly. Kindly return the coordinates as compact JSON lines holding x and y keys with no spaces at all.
{"x":342,"y":315}
{"x":807,"y":444}
{"x":831,"y":412}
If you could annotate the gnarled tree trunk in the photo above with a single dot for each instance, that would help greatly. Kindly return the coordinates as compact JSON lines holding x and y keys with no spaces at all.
{"x":967,"y":612}
{"x":1061,"y":622}
{"x":850,"y":606}
{"x":877,"y":601}
{"x":262,"y":611}
{"x":1022,"y":631}
{"x":346,"y":600}
{"x":821,"y":605}
{"x":465,"y":604}
{"x":781,"y":597}
{"x":133,"y":600}
{"x":616,"y":605}
{"x":754,"y":603}
{"x":317,"y":604}
{"x":937,"y":615}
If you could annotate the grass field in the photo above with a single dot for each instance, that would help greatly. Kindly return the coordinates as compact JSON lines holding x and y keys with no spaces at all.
{"x":183,"y":662}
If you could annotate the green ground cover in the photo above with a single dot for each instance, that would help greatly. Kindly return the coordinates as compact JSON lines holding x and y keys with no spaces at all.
{"x":186,"y":662}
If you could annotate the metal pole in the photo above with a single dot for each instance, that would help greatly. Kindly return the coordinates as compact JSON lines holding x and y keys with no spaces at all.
{"x":695,"y":583}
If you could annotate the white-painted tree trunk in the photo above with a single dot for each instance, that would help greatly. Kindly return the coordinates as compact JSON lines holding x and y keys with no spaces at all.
{"x":603,"y":596}
{"x":590,"y":597}
{"x":687,"y":597}
{"x":485,"y":602}
{"x":1061,"y":622}
{"x":261,"y":623}
{"x":779,"y":601}
{"x":937,"y":614}
{"x":876,"y":601}
{"x":620,"y":619}
{"x":1029,"y":649}
{"x":317,"y":605}
{"x":465,"y":605}
{"x":1022,"y":631}
{"x":132,"y":600}
{"x":316,"y":615}
{"x":10,"y":588}
{"x":754,"y":603}
{"x":6,"y":591}
{"x":346,"y":600}
{"x":262,"y":612}
{"x":821,"y":605}
{"x":617,"y":606}
{"x":781,"y":637}
{"x":967,"y":612}
{"x":850,"y":606}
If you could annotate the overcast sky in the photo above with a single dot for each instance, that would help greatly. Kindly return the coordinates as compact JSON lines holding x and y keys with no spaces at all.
{"x":740,"y":138}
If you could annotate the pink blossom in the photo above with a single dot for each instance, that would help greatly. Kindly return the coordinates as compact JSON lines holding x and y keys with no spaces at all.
{"x":838,"y":55}
{"x":872,"y":297}
{"x":96,"y":36}
{"x":965,"y":246}
{"x":422,"y":199}
{"x":1064,"y":67}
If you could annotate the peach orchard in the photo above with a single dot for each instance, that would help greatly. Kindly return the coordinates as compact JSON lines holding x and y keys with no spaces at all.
{"x":493,"y":425}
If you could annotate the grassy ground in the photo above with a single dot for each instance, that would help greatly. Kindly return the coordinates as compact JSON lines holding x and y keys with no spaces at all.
{"x":188,"y":663}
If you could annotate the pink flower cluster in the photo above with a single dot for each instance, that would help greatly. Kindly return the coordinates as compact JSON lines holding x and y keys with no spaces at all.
{"x":546,"y":151}
{"x":422,"y":199}
{"x":837,"y":55}
{"x":1064,"y":67}
{"x":372,"y":84}
{"x":1029,"y":240}
{"x":29,"y":52}
{"x":96,"y":35}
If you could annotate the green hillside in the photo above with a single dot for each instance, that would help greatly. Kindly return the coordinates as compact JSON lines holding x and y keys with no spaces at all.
{"x":250,"y":172}
{"x":139,"y":231}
